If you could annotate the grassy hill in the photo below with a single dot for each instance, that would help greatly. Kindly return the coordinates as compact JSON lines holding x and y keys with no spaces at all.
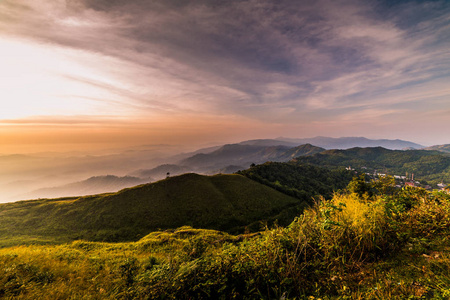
{"x":224,"y":202}
{"x":387,"y":246}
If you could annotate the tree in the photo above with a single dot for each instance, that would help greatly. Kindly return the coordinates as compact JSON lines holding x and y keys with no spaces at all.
{"x":360,"y":186}
{"x":385,"y":185}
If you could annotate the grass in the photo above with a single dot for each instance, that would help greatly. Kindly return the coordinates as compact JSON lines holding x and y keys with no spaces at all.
{"x":230,"y":203}
{"x":393,"y":246}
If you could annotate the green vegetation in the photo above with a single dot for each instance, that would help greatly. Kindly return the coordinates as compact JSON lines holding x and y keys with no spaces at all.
{"x":230,"y":203}
{"x":432,"y":166}
{"x":299,"y":180}
{"x":386,"y":244}
{"x":441,"y":148}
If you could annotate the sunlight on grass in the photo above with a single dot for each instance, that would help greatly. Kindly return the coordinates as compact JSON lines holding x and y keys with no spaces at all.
{"x":380,"y":247}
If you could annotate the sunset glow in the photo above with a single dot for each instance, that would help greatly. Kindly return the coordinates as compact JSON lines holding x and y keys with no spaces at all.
{"x":79,"y":72}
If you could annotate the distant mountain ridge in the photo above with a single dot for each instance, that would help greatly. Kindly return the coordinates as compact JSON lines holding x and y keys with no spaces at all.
{"x":230,"y":158}
{"x":351,"y":142}
{"x":161,"y":171}
{"x":45,"y":174}
{"x":90,"y":186}
{"x":246,"y":154}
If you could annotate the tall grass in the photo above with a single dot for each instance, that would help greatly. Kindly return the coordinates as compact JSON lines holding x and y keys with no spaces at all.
{"x":352,"y":247}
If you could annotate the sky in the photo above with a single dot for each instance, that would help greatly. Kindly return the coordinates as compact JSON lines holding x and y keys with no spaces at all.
{"x":99,"y":73}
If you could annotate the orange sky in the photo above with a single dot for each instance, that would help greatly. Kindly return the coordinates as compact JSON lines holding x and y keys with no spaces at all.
{"x":92,"y":74}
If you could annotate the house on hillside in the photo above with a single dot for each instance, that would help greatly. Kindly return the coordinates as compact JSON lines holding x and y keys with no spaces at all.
{"x":411,"y":184}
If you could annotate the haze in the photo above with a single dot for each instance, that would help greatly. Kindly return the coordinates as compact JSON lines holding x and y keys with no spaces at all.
{"x":89,"y":75}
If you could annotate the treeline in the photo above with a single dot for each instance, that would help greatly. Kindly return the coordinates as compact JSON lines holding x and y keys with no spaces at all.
{"x":300,"y":180}
{"x":431,"y":166}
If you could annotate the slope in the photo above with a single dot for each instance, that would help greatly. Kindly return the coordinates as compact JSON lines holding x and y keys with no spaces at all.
{"x":244,"y":155}
{"x":432,"y":166}
{"x":441,"y":148}
{"x":224,"y":202}
{"x":90,"y":186}
{"x":300,"y":180}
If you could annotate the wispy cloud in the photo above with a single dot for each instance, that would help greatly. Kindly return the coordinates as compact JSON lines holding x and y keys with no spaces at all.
{"x":275,"y":62}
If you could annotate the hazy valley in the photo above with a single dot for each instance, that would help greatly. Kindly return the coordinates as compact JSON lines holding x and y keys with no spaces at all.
{"x":44,"y":175}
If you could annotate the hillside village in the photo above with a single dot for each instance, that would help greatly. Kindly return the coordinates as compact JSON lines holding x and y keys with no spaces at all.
{"x":402,"y":181}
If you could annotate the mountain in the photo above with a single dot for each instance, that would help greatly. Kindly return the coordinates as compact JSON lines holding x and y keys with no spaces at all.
{"x":241,"y":155}
{"x":351,"y":142}
{"x":432,"y":166}
{"x":90,"y":186}
{"x":228,"y":169}
{"x":441,"y":148}
{"x":268,"y":142}
{"x":224,"y":202}
{"x":161,"y":171}
{"x":244,"y":155}
{"x":302,"y":150}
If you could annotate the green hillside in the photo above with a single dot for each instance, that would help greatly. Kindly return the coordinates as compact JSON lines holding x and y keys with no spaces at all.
{"x":224,"y":202}
{"x":441,"y":148}
{"x":384,"y":246}
{"x":432,"y":166}
{"x":300,"y":180}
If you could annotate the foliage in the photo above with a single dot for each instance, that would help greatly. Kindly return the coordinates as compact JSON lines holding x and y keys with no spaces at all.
{"x":301,"y":181}
{"x":432,"y":166}
{"x":379,"y":246}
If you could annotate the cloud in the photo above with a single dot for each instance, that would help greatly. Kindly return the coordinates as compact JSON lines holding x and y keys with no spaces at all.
{"x":274,"y":62}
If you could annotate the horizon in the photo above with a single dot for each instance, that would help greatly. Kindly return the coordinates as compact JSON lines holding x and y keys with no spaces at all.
{"x":85,"y":73}
{"x":108,"y":148}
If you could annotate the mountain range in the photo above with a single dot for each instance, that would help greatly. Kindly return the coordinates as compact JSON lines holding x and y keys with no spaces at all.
{"x":244,"y":155}
{"x":71,"y":173}
{"x":266,"y":191}
{"x":351,"y":142}
{"x":231,"y":158}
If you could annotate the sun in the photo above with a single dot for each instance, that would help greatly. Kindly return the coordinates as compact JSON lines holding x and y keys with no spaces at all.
{"x":38,"y":80}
